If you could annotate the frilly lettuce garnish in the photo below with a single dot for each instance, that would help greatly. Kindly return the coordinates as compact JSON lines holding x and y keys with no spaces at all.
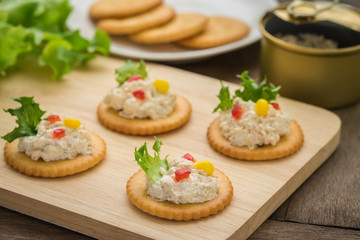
{"x":38,"y":28}
{"x":151,"y":165}
{"x":28,"y":117}
{"x":130,"y":69}
{"x":226,"y":101}
{"x":251,"y":91}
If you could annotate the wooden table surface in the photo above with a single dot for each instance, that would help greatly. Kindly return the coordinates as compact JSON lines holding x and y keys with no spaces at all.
{"x":326,"y":206}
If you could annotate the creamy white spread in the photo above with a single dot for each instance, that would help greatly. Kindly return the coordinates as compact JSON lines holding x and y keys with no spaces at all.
{"x":197,"y":188}
{"x":43,"y":146}
{"x":155,"y":105}
{"x":252,"y":130}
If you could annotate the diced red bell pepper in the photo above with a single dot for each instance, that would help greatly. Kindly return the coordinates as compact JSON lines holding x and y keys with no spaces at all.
{"x":134,"y":78}
{"x":181,"y":174}
{"x":237,"y":112}
{"x":53,"y":118}
{"x":58,"y":134}
{"x":139,"y":94}
{"x":189,"y":157}
{"x":275,"y":105}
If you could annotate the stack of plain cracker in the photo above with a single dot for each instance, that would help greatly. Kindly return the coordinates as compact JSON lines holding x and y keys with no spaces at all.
{"x":152,"y":22}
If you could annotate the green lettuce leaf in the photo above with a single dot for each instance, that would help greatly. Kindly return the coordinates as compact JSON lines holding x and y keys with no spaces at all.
{"x":38,"y":27}
{"x":28,"y":117}
{"x":100,"y":43}
{"x":63,"y":52}
{"x":253,"y":92}
{"x":13,"y":45}
{"x":58,"y":56}
{"x":46,"y":15}
{"x":151,"y":165}
{"x":226,"y":102}
{"x":130,"y":69}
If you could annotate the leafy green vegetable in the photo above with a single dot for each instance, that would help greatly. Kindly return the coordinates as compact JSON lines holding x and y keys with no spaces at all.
{"x":226,"y":102}
{"x":253,"y":92}
{"x":38,"y":27}
{"x":151,"y":165}
{"x":58,"y":56}
{"x":130,"y":69}
{"x":41,"y":14}
{"x":13,"y":44}
{"x":100,"y":43}
{"x":29,"y":116}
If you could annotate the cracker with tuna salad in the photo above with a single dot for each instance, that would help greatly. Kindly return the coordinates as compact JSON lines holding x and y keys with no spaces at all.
{"x":140,"y":105}
{"x":180,"y":189}
{"x":251,"y":124}
{"x":51,"y":147}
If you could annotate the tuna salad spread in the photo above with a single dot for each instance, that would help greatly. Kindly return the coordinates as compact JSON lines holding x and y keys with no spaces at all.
{"x":252,"y":118}
{"x":57,"y":139}
{"x":197,"y":187}
{"x":252,"y":130}
{"x":139,"y":97}
{"x":180,"y":181}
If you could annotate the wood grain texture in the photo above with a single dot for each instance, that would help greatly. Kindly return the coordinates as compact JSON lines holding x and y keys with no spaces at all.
{"x":331,"y":196}
{"x":279,"y":230}
{"x":16,"y":226}
{"x":95,"y":203}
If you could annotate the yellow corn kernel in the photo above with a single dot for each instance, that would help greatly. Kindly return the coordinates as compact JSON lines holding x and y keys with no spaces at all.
{"x":262,"y":107}
{"x":72,"y":123}
{"x":161,"y":85}
{"x":206,"y":166}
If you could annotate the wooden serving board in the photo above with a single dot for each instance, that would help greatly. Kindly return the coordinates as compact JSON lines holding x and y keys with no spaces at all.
{"x":95,"y":202}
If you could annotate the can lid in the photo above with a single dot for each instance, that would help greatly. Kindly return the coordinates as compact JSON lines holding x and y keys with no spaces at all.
{"x":300,"y":11}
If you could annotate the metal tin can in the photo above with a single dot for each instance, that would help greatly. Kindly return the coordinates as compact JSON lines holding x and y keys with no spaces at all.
{"x":324,"y":77}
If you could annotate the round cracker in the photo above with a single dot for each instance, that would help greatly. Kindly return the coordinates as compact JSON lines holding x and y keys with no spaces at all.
{"x":120,"y":8}
{"x":218,"y":31}
{"x":112,"y":120}
{"x":24,"y":164}
{"x":182,"y":26}
{"x":136,"y":191}
{"x":287,"y":145}
{"x":153,"y":18}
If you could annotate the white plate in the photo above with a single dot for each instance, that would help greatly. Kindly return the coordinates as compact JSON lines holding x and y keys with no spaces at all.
{"x":245,"y":10}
